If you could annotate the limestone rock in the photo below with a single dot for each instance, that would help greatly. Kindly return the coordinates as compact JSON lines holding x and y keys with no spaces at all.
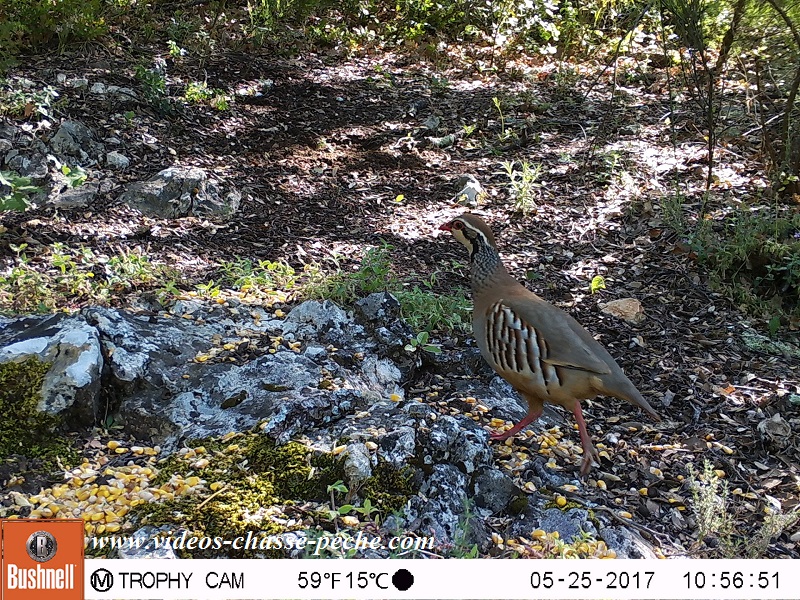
{"x":179,"y":192}
{"x":627,"y":309}
{"x":72,"y":347}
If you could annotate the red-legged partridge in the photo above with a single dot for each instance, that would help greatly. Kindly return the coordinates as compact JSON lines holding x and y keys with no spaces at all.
{"x":539,"y":349}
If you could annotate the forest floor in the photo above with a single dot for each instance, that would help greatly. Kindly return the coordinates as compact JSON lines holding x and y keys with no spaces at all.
{"x":339,"y":155}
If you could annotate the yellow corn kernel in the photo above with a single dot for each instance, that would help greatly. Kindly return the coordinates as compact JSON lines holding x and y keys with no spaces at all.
{"x":561,"y":501}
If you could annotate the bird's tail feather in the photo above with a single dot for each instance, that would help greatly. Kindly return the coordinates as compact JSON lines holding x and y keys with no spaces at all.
{"x":629,"y":392}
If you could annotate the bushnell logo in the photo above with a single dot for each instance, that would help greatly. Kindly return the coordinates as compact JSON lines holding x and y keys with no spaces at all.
{"x":41,"y":558}
{"x":41,"y":546}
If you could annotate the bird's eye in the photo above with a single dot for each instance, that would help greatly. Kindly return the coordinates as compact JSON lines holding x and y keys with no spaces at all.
{"x":458,"y":225}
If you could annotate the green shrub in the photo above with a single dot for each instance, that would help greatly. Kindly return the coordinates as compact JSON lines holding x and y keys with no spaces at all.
{"x":32,"y":24}
{"x":753,"y":254}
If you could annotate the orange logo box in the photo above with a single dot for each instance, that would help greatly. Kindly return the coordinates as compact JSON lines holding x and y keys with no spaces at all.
{"x":41,"y":558}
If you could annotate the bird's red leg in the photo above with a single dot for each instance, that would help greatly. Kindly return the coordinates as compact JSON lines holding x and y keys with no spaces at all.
{"x":589,"y":451}
{"x":533,"y":414}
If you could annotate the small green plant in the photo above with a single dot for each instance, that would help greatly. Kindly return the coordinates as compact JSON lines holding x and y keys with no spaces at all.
{"x":672,"y":211}
{"x":76,"y":176}
{"x":19,"y":99}
{"x":243,"y":274}
{"x":710,"y":499}
{"x":337,"y":487}
{"x":366,"y":509}
{"x":711,"y":504}
{"x":522,"y":184}
{"x":598,"y":283}
{"x":420,"y":342}
{"x":63,"y":276}
{"x":209,"y":289}
{"x":110,"y":425}
{"x":153,"y":82}
{"x":461,"y":547}
{"x":498,"y":105}
{"x":154,"y":88}
{"x":20,"y":189}
{"x":198,"y":92}
{"x":774,"y":325}
{"x":439,"y":85}
{"x":175,"y":51}
{"x":168,"y":291}
{"x":608,"y":167}
{"x":374,"y":274}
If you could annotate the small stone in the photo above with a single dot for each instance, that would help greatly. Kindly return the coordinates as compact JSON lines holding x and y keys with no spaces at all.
{"x":627,"y":309}
{"x":118,"y":161}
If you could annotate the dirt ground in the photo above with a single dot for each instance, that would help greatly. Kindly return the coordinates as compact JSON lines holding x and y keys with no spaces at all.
{"x":324,"y":152}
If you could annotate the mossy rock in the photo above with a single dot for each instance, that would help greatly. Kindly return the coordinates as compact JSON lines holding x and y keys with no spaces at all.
{"x":24,"y":429}
{"x":256,"y":480}
{"x":389,"y":488}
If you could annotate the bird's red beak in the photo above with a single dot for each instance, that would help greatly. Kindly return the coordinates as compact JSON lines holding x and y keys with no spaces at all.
{"x":446,"y":227}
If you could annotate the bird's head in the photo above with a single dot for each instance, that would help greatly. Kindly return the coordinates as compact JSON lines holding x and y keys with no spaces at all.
{"x":472,"y":231}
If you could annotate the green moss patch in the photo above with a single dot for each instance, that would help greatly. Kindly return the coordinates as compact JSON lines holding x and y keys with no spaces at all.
{"x":24,"y":430}
{"x":389,"y":488}
{"x":251,"y":484}
{"x":246,"y":483}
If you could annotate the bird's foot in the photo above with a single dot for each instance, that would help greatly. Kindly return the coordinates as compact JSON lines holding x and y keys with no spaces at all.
{"x":499,"y":437}
{"x":588,"y":455}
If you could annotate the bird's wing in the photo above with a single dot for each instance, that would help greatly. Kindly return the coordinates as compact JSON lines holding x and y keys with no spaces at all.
{"x":547,"y":332}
